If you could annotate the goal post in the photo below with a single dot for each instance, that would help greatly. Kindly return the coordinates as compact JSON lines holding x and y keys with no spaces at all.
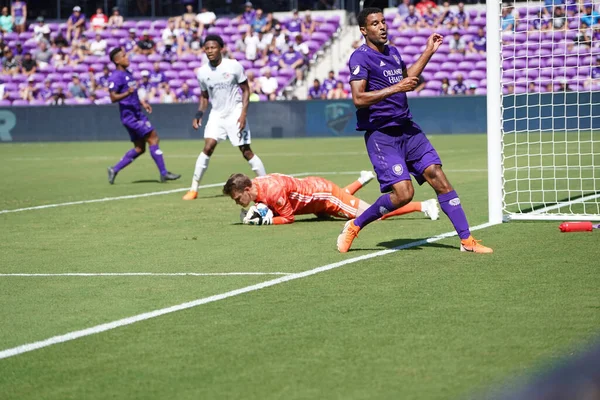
{"x":543,"y":115}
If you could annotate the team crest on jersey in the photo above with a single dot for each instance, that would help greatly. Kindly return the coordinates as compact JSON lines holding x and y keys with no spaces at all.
{"x":396,"y":58}
{"x":397,"y":169}
{"x":337,"y":116}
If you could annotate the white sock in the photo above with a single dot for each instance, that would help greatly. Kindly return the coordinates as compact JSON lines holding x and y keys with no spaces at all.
{"x":201,"y":166}
{"x":257,"y":166}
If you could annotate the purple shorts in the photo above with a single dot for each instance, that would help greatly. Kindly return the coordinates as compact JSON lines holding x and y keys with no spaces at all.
{"x":399,"y":152}
{"x":138,"y":127}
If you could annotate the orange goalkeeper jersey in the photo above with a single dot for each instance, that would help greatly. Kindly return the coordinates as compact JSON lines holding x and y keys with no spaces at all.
{"x":288,"y":196}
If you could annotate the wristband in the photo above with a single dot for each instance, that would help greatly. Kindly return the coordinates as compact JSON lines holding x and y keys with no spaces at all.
{"x":199,"y":114}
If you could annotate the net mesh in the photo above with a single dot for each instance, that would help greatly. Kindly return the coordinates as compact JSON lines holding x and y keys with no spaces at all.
{"x":550,"y":110}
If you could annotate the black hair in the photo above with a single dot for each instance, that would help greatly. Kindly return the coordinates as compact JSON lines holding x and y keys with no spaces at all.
{"x":362,"y":16}
{"x":216,"y":38}
{"x":114,"y":52}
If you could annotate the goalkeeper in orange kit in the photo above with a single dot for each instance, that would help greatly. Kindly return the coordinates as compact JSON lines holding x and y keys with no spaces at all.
{"x":287,"y":197}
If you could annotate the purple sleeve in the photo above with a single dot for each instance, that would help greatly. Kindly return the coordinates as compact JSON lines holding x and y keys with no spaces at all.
{"x":359,"y":69}
{"x":114,"y":84}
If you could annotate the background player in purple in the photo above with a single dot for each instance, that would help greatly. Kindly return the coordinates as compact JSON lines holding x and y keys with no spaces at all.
{"x":123,"y":89}
{"x":396,"y":145}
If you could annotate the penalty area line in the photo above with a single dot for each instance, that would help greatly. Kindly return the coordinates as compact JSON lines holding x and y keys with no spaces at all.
{"x":92,"y":274}
{"x":195,"y":303}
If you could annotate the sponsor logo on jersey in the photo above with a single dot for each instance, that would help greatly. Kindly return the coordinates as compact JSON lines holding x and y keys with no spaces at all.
{"x":356,"y":70}
{"x":397,"y":169}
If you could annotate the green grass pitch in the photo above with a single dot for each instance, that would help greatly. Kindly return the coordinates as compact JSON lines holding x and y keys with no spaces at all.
{"x":429,"y":322}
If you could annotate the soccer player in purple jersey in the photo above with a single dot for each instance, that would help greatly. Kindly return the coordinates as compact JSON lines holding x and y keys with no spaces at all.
{"x":396,"y":145}
{"x":123,"y":90}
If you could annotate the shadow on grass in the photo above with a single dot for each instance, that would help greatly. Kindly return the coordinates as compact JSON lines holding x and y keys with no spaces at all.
{"x":147,"y":181}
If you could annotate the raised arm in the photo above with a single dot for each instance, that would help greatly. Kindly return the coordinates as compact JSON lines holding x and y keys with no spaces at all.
{"x":363,"y":99}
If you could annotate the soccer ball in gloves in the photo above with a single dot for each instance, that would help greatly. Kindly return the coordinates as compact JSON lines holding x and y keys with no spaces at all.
{"x":258,"y":214}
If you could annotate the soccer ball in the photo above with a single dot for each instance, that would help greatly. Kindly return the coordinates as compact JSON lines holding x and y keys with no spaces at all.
{"x":259,"y":214}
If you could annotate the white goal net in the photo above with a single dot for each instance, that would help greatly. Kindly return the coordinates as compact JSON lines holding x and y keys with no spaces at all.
{"x":549,"y":100}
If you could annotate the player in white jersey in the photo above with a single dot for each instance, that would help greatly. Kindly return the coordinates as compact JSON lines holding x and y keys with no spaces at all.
{"x":220,"y":81}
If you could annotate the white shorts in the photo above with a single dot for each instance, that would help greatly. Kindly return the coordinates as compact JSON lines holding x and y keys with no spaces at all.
{"x":220,"y":128}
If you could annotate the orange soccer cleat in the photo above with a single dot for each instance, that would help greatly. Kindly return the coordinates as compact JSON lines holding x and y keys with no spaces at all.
{"x":472,"y":245}
{"x":191,"y":195}
{"x":345,"y":239}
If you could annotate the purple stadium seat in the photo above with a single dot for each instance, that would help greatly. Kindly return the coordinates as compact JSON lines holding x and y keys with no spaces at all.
{"x":5,"y":103}
{"x":129,"y":24}
{"x":175,"y":83}
{"x":287,"y":72}
{"x":448,"y":66}
{"x":187,"y":74}
{"x":429,"y":93}
{"x":572,"y":61}
{"x":481,"y":91}
{"x":242,"y":28}
{"x":192,"y":83}
{"x":19,"y":78}
{"x":476,"y":74}
{"x":144,"y":25}
{"x":418,"y":40}
{"x":170,"y":74}
{"x":283,"y":81}
{"x":222,"y":22}
{"x":215,"y":31}
{"x":474,"y":57}
{"x":556,"y":62}
{"x":532,"y":73}
{"x":517,"y":63}
{"x":38,"y":77}
{"x":138,"y":58}
{"x":81,"y":68}
{"x":179,"y":66}
{"x":37,"y":103}
{"x":456,"y":57}
{"x":20,"y":103}
{"x":146,"y":65}
{"x":230,"y":30}
{"x":434,"y":85}
{"x":439,"y":75}
{"x":194,"y":64}
{"x":11,"y":87}
{"x":472,"y":14}
{"x":160,"y":24}
{"x":483,"y":83}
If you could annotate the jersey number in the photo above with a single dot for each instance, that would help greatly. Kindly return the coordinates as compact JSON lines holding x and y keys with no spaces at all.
{"x":243,"y":134}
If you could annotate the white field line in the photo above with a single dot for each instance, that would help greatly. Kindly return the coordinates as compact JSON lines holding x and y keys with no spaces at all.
{"x":159,"y":193}
{"x":195,"y":303}
{"x":145,"y":274}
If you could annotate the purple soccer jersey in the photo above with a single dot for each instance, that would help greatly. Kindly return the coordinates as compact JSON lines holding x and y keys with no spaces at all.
{"x":156,"y":78}
{"x":187,"y":97}
{"x":19,"y":8}
{"x":274,"y":60}
{"x":147,"y":86}
{"x":480,"y":43}
{"x":129,"y":44}
{"x":130,"y":108}
{"x":74,"y":18}
{"x":448,"y":18}
{"x":44,"y":93}
{"x":429,"y":19}
{"x":459,"y":88}
{"x":290,"y":58}
{"x":294,"y":25}
{"x":596,"y":72}
{"x":104,"y":80}
{"x":329,"y":84}
{"x":380,"y":70}
{"x":315,"y":93}
{"x":248,"y":17}
{"x":461,"y":17}
{"x":412,"y":20}
{"x":396,"y":145}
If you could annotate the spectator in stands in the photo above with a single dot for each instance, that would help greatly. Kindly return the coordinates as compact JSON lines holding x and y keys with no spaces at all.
{"x":280,"y":39}
{"x":446,"y":17}
{"x":205,"y":19}
{"x":300,"y":46}
{"x":445,"y":89}
{"x":270,"y":25}
{"x":308,"y":24}
{"x":43,"y":55}
{"x":28,"y":65}
{"x":459,"y":87}
{"x":590,"y":17}
{"x":45,"y":93}
{"x":75,"y":24}
{"x":116,"y":19}
{"x":412,"y":20}
{"x":559,"y":19}
{"x":563,"y":86}
{"x":59,"y":40}
{"x":479,"y":42}
{"x":272,"y":57}
{"x":338,"y":92}
{"x":130,"y":43}
{"x":461,"y":17}
{"x":3,"y":48}
{"x":457,"y":42}
{"x":157,"y":78}
{"x":59,"y":97}
{"x":253,"y":84}
{"x":28,"y":92}
{"x":98,"y":46}
{"x":76,"y":57}
{"x":582,"y":38}
{"x":531,"y":88}
{"x":19,"y":52}
{"x":268,"y":85}
{"x":226,"y":53}
{"x":98,"y":21}
{"x":189,"y":15}
{"x":18,"y":11}
{"x":550,"y":4}
{"x":316,"y":92}
{"x":472,"y":89}
{"x":294,"y":25}
{"x":594,"y":78}
{"x":403,"y":8}
{"x":330,"y":83}
{"x":169,"y":34}
{"x":84,"y":45}
{"x":508,"y":20}
{"x":60,"y":59}
{"x":185,"y":95}
{"x":77,"y":88}
{"x":259,"y":21}
{"x":91,"y":83}
{"x":38,"y":30}
{"x":249,"y":13}
{"x":167,"y":95}
{"x":263,"y":44}
{"x":168,"y":55}
{"x":93,"y":97}
{"x":424,"y":4}
{"x":6,"y":21}
{"x":3,"y":93}
{"x":251,"y":41}
{"x":147,"y":90}
{"x":194,"y":46}
{"x":540,"y":22}
{"x":430,"y":18}
{"x":146,"y":45}
{"x":103,"y":80}
{"x":295,"y":60}
{"x":549,"y":88}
